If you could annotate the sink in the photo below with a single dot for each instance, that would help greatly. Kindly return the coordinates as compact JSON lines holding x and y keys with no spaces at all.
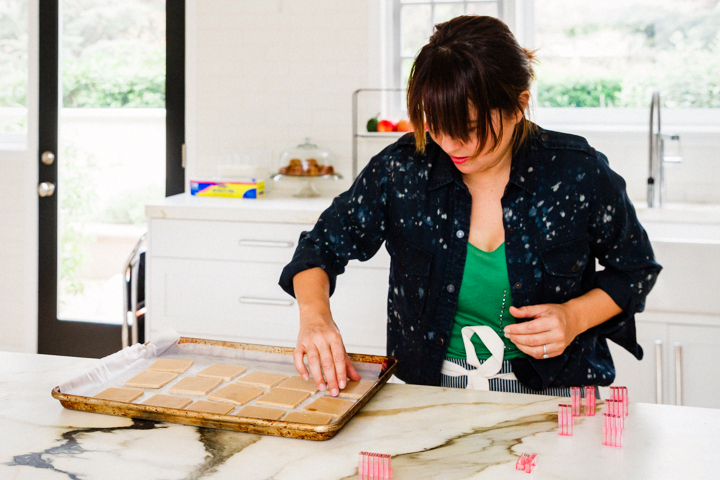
{"x":690,"y":256}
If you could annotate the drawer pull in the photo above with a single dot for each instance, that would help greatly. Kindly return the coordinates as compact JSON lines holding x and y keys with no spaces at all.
{"x":268,"y":301}
{"x":658,"y":372}
{"x":678,"y":374}
{"x":265,"y":243}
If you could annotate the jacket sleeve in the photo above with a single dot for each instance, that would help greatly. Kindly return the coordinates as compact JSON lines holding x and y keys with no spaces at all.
{"x":353,"y":227}
{"x":621,"y":245}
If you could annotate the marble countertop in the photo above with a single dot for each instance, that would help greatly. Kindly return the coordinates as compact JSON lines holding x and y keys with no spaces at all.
{"x":287,"y":209}
{"x":274,"y":208}
{"x":432,"y":433}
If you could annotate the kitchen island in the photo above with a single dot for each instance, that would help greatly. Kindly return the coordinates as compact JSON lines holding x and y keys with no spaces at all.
{"x":431,"y":432}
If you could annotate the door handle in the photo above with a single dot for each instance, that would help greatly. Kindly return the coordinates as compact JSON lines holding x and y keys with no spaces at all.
{"x":46,"y":189}
{"x":678,"y":374}
{"x":658,"y":372}
{"x":47,"y":158}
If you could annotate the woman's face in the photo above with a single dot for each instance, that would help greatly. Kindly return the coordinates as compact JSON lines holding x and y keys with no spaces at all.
{"x":463,"y":154}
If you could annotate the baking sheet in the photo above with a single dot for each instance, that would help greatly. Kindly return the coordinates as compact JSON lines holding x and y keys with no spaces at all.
{"x":116,"y":369}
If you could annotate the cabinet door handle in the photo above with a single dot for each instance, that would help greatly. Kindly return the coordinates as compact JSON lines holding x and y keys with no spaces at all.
{"x":658,"y":372}
{"x":678,"y":374}
{"x":267,"y":301}
{"x":265,"y":243}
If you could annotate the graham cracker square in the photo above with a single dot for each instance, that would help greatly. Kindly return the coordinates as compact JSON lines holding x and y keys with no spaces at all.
{"x":283,"y":397}
{"x":299,"y":383}
{"x":195,"y":386}
{"x":331,"y":406}
{"x":170,"y":365}
{"x":263,"y":413}
{"x":309,"y":418}
{"x":210,"y":407}
{"x":235,"y":394}
{"x":226,"y":372}
{"x":119,"y":394}
{"x":261,"y":379}
{"x":167,"y":401}
{"x":148,"y":379}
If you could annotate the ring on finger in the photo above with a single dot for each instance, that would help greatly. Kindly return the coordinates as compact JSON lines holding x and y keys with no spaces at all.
{"x":545,"y":354}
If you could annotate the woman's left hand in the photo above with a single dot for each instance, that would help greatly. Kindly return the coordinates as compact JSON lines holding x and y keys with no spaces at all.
{"x":552,"y":326}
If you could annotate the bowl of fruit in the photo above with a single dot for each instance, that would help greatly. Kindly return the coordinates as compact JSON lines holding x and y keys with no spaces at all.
{"x":383,"y":125}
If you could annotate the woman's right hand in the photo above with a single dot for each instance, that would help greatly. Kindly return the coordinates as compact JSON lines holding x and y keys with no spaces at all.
{"x":319,"y":337}
{"x":320,"y":340}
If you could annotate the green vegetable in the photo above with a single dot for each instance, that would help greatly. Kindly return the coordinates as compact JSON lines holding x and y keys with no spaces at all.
{"x":372,"y":124}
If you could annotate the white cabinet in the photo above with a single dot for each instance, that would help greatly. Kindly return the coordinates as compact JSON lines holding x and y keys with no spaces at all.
{"x":679,"y":363}
{"x":219,"y":278}
{"x":695,"y":360}
{"x":645,"y":378}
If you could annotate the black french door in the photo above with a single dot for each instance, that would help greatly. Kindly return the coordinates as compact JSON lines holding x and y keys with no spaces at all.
{"x":88,"y":338}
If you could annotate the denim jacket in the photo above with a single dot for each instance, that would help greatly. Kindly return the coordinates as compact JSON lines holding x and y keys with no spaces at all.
{"x":563,"y":208}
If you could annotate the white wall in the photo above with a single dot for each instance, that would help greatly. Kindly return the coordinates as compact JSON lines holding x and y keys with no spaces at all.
{"x":265,"y":74}
{"x":18,"y":223}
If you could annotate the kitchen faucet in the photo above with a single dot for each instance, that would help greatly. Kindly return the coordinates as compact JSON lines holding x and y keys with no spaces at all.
{"x":657,"y":157}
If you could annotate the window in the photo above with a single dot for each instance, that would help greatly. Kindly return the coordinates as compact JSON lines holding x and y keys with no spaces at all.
{"x":415,"y":19}
{"x":609,"y":54}
{"x":13,"y":74}
{"x":614,"y":53}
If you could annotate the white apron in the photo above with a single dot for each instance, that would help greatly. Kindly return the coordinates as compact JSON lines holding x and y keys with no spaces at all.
{"x":479,"y":379}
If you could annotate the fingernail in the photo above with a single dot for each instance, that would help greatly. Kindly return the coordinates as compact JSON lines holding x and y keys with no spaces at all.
{"x":305,"y":377}
{"x":334,"y":392}
{"x":342,"y":383}
{"x":321,"y":387}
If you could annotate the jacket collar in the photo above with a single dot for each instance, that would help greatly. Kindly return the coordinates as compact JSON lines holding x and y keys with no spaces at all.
{"x":523,"y":170}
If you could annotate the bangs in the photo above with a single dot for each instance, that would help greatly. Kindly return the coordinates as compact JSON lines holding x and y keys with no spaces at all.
{"x":447,"y":93}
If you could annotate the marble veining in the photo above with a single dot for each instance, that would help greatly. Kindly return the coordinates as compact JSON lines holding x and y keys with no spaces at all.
{"x":432,"y":433}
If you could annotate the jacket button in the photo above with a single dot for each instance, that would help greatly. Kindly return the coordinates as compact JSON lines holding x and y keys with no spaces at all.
{"x":451,"y":288}
{"x":460,"y":234}
{"x":576,"y":268}
{"x":440,"y":342}
{"x":518,"y":285}
{"x":511,"y":229}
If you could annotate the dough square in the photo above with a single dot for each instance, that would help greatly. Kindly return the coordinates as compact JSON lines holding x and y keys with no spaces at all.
{"x":236,"y":394}
{"x":261,"y":379}
{"x":306,"y":417}
{"x":283,"y":397}
{"x":170,"y":365}
{"x":119,"y":394}
{"x":299,"y":383}
{"x":167,"y":401}
{"x":210,"y":407}
{"x":331,"y":406}
{"x":354,"y":389}
{"x":226,"y":372}
{"x":263,"y":413}
{"x":148,"y":379}
{"x":195,"y":385}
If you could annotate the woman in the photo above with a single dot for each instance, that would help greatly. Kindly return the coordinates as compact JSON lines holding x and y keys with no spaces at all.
{"x":493,"y":226}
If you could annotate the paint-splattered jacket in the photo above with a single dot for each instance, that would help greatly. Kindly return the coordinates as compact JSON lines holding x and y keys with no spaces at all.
{"x":562,"y":208}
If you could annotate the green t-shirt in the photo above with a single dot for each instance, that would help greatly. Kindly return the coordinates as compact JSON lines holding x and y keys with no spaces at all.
{"x":484,"y":299}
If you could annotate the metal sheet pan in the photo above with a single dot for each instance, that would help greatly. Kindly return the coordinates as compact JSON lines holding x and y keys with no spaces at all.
{"x":232,"y":422}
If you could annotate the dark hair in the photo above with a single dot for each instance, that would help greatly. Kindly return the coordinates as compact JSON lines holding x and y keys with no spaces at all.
{"x":470,"y":62}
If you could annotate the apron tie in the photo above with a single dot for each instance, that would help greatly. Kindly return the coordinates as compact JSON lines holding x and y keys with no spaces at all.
{"x":479,"y":379}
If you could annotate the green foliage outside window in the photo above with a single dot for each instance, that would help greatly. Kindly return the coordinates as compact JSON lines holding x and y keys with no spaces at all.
{"x":76,"y":199}
{"x":615,"y":53}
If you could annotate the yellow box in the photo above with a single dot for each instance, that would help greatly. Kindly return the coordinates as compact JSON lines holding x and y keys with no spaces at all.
{"x":228,"y":188}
